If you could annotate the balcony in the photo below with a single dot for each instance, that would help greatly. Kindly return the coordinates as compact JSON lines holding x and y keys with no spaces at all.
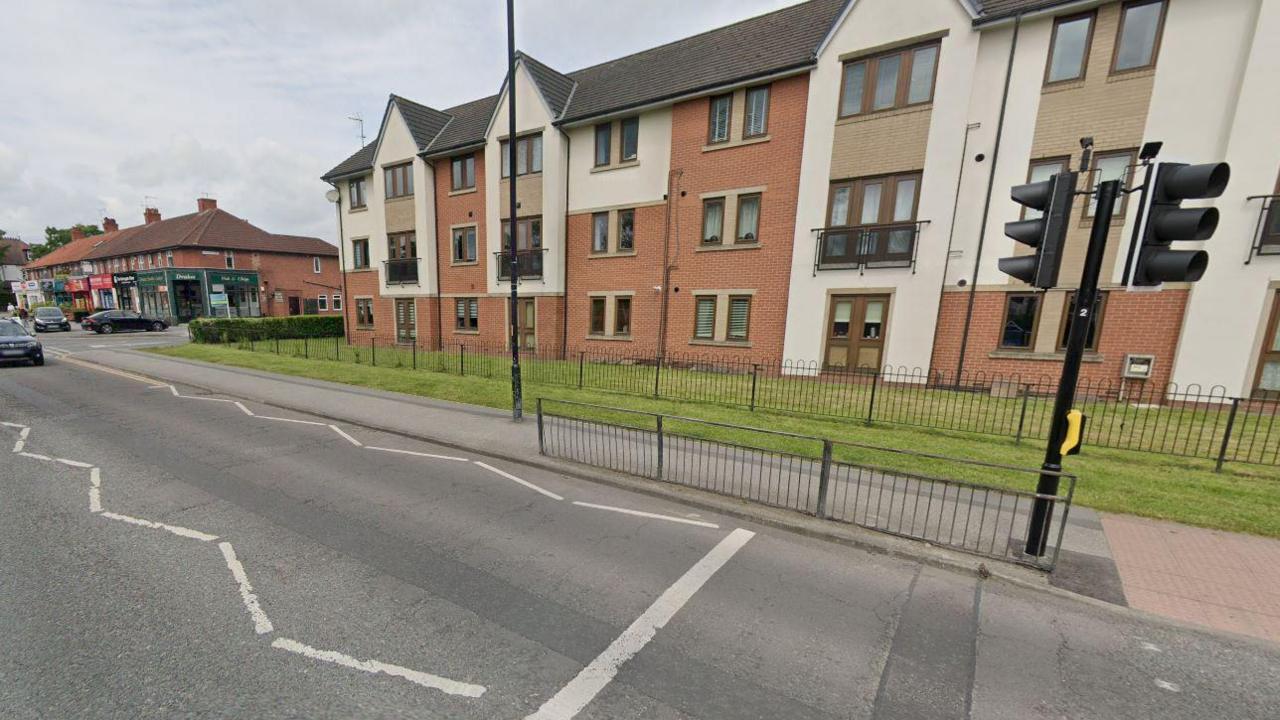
{"x":859,"y":247}
{"x":528,"y":263}
{"x":1266,"y":234}
{"x":403,"y":271}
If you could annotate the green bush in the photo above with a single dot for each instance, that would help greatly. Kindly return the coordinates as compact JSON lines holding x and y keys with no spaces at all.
{"x":224,"y":330}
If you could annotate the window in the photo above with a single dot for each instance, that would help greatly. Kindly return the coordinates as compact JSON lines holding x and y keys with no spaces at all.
{"x":401,"y":246}
{"x":626,"y":230}
{"x":406,"y":320}
{"x":322,"y":303}
{"x":718,"y":121}
{"x":360,"y":253}
{"x":604,"y":139}
{"x":597,"y":315}
{"x":748,"y":218}
{"x":600,"y":232}
{"x":229,"y":258}
{"x":622,"y":316}
{"x":355,"y":193}
{"x":874,"y":201}
{"x":399,"y":180}
{"x":630,"y":139}
{"x":1138,"y":40}
{"x":739,"y":318}
{"x":704,"y":320}
{"x":528,"y":155}
{"x":1020,"y":315}
{"x":1042,"y":170}
{"x":1110,"y":166}
{"x":466,"y":314}
{"x":315,"y":265}
{"x":896,"y":79}
{"x":757,"y":119}
{"x":364,"y":312}
{"x":464,"y":244}
{"x":463,"y":172}
{"x":168,"y":257}
{"x":337,"y":302}
{"x":1095,"y":327}
{"x":1270,"y":235}
{"x":712,"y":221}
{"x":1069,"y":48}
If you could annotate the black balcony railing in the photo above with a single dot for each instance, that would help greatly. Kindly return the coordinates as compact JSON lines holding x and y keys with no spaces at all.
{"x":528,"y":263}
{"x":402,"y":271}
{"x":1266,"y":235}
{"x":857,"y":247}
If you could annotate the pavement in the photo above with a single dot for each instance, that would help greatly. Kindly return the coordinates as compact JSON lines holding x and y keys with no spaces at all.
{"x":172,"y":552}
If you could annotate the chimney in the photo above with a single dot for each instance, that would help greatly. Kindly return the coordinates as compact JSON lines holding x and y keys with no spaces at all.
{"x":205,"y":203}
{"x":150,"y":215}
{"x":109,"y":225}
{"x":76,"y":233}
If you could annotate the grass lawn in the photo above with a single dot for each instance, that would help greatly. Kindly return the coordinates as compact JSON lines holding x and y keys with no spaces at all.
{"x":1243,"y":498}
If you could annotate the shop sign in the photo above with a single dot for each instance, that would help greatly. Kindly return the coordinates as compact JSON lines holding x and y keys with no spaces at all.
{"x":53,"y":286}
{"x":126,"y":279}
{"x":77,"y":285}
{"x":226,"y":278}
{"x":100,"y":282}
{"x":155,"y":279}
{"x":17,"y":286}
{"x":186,"y":276}
{"x":31,"y":285}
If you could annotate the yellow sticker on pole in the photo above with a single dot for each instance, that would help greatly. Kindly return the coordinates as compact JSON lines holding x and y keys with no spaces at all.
{"x":1075,"y":428}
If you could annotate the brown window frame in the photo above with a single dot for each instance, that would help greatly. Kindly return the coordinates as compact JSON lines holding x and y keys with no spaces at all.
{"x":618,"y":247}
{"x":746,"y":106}
{"x":1092,"y":17}
{"x":618,"y":303}
{"x":595,"y":218}
{"x":1035,"y":321}
{"x":464,"y":160}
{"x":473,"y":247}
{"x":411,"y":314}
{"x":902,"y":92}
{"x":402,"y":245}
{"x":622,"y":139}
{"x":711,"y":124}
{"x":602,"y":304}
{"x":1155,"y":47}
{"x":737,"y":220}
{"x":698,"y":300}
{"x":1062,"y":161}
{"x":398,"y":180}
{"x":702,"y":231}
{"x":728,"y":320}
{"x":360,"y":260}
{"x":1122,"y":202}
{"x":1099,"y":313}
{"x":524,"y":146}
{"x":356,"y":189}
{"x":888,"y":200}
{"x":364,"y":313}
{"x":605,"y":129}
{"x":1268,"y":340}
{"x":464,"y":320}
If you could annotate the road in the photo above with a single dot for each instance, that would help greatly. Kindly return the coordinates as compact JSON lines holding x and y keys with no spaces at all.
{"x":168,"y":553}
{"x":77,"y":340}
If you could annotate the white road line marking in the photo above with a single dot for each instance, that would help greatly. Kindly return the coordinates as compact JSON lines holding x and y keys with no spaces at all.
{"x":575,"y":696}
{"x":654,"y":516}
{"x":95,"y":500}
{"x":1166,"y":685}
{"x":14,"y":425}
{"x":1152,"y":647}
{"x":18,"y":445}
{"x":290,"y":420}
{"x":175,"y":529}
{"x":350,"y":439}
{"x":95,"y":477}
{"x":157,"y":387}
{"x":34,"y":456}
{"x":418,"y":454}
{"x":120,"y":373}
{"x":452,"y":687}
{"x":511,"y":477}
{"x":73,"y":463}
{"x":244,"y":409}
{"x":174,"y":390}
{"x":261,"y":624}
{"x":25,"y":432}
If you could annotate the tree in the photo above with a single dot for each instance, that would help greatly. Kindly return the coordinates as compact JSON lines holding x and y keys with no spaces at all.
{"x":55,"y":238}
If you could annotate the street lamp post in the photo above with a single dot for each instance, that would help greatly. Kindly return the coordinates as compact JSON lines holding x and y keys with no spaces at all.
{"x":335,"y":196}
{"x":517,"y":402}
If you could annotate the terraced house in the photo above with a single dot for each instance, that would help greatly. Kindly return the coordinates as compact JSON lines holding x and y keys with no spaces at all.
{"x":828,"y":184}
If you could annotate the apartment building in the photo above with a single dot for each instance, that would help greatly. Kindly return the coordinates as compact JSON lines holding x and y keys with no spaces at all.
{"x":206,"y":263}
{"x":828,"y":184}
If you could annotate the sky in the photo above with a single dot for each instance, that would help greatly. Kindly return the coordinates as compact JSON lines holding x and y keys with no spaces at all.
{"x":107,"y":106}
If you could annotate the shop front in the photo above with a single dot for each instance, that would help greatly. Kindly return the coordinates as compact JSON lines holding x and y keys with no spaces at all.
{"x":126,"y":285}
{"x":180,"y":295}
{"x":240,"y":290}
{"x":81,"y":296}
{"x":102,"y":289}
{"x":54,"y":291}
{"x":154,"y":297}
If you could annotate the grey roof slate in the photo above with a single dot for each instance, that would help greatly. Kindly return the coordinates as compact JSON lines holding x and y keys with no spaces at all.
{"x":470,"y":120}
{"x":424,"y":122}
{"x":361,"y":159}
{"x":992,"y":10}
{"x":556,"y":87}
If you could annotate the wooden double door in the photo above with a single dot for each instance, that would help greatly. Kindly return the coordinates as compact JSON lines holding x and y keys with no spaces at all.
{"x":855,"y":332}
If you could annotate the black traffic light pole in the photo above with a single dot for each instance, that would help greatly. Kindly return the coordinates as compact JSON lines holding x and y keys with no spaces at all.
{"x":517,"y":401}
{"x":1081,"y":319}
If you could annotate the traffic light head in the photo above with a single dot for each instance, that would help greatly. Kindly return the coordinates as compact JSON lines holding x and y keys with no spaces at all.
{"x":1168,"y":222}
{"x":1047,"y":233}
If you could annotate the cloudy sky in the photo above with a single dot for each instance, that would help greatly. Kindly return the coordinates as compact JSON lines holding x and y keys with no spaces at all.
{"x":106,"y":105}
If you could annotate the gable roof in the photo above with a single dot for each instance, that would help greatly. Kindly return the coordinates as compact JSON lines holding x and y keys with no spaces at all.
{"x":467,"y":128}
{"x":555,"y":88}
{"x":359,"y":163}
{"x":211,"y":229}
{"x":72,"y":252}
{"x":424,"y":122}
{"x":12,"y":251}
{"x":993,"y":10}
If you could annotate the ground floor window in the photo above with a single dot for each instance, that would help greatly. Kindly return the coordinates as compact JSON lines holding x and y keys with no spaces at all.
{"x":406,"y":320}
{"x":610,"y":316}
{"x":364,"y":313}
{"x":1095,"y":327}
{"x":243,"y":302}
{"x":855,"y":331}
{"x":322,"y":303}
{"x":722,"y":318}
{"x":337,"y":302}
{"x":466,"y":313}
{"x":155,"y":301}
{"x":1021,"y":315}
{"x":1267,"y":380}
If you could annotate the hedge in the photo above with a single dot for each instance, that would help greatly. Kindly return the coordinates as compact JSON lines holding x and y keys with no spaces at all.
{"x":222,"y":330}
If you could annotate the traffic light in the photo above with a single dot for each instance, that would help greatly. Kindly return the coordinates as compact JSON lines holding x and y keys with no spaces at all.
{"x":1168,"y":222}
{"x":1047,"y":233}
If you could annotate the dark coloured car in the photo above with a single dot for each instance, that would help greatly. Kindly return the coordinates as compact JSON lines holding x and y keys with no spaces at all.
{"x":16,"y":344}
{"x":109,"y":321}
{"x":50,"y":318}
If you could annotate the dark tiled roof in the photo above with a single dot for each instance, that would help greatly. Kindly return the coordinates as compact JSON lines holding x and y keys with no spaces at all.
{"x":212,"y":229}
{"x":11,"y":251}
{"x":362,"y":159}
{"x":555,"y":87}
{"x":424,"y":122}
{"x":992,"y":10}
{"x":72,"y":252}
{"x":470,"y":120}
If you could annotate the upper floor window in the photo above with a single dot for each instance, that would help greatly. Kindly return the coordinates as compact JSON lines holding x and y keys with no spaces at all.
{"x":1069,"y":48}
{"x":463,"y":172}
{"x":712,"y":221}
{"x":748,"y":218}
{"x":604,"y":143}
{"x":230,"y":260}
{"x":315,"y":265}
{"x":1109,"y":166}
{"x":399,"y":180}
{"x":1138,"y":40}
{"x":896,"y":79}
{"x":360,"y":253}
{"x":756,"y":122}
{"x":626,"y":230}
{"x":1042,"y":170}
{"x":630,"y":140}
{"x":600,"y":232}
{"x":718,"y":122}
{"x":528,"y":155}
{"x":464,"y":244}
{"x":874,"y":201}
{"x":355,"y":193}
{"x":402,"y":246}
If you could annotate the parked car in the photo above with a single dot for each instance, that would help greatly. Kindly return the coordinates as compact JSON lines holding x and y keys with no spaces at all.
{"x":18,"y":344}
{"x":50,"y":318}
{"x":109,"y":321}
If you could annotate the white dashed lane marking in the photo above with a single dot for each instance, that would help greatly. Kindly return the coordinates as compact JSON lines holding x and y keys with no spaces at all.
{"x":452,"y":687}
{"x":653,"y":516}
{"x":513,"y":478}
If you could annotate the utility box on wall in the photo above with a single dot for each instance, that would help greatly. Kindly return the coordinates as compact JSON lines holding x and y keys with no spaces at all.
{"x":1138,"y":367}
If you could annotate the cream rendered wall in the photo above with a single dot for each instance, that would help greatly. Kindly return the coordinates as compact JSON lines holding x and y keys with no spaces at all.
{"x":532,"y":113}
{"x":1224,"y":105}
{"x":358,"y":224}
{"x":395,"y":146}
{"x":914,"y":301}
{"x":642,"y":182}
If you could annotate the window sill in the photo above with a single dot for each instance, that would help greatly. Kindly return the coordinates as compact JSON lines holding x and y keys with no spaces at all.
{"x":525,"y":176}
{"x":399,"y":198}
{"x":610,"y":338}
{"x":604,"y":255}
{"x":1062,"y":86}
{"x":360,"y":270}
{"x":615,"y":166}
{"x":358,"y":209}
{"x":1005,"y":354}
{"x":364,"y":327}
{"x":710,"y":147}
{"x":465,"y":332}
{"x":721,"y":343}
{"x":463,"y":263}
{"x":881,"y":114}
{"x":729,"y":246}
{"x":464,"y":191}
{"x":1134,"y":74}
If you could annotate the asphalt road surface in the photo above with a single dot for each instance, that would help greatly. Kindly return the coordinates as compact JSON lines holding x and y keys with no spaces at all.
{"x":78,"y":340}
{"x":165,"y":553}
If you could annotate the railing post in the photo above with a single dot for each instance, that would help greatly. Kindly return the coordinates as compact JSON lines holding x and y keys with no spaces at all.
{"x":582,"y":354}
{"x":871,"y":406}
{"x":755,"y":368}
{"x":251,"y":348}
{"x":462,"y":359}
{"x":661,"y":452}
{"x":373,"y":351}
{"x":337,"y":348}
{"x":1022,"y":416}
{"x":657,"y":376}
{"x":824,"y":479}
{"x":306,"y":347}
{"x":277,"y":344}
{"x":413,"y":350}
{"x":542,"y":447}
{"x":1226,"y":435}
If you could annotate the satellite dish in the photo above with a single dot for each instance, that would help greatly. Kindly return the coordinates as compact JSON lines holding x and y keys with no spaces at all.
{"x":332,"y":196}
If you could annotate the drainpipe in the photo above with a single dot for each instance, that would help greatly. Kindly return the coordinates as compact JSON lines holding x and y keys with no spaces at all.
{"x":564,"y":247}
{"x":955,"y":206}
{"x":342,"y":262}
{"x":435,"y":254}
{"x":673,"y":188}
{"x":986,"y":207}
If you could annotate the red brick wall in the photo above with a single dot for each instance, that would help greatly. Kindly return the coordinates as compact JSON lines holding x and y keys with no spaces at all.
{"x":1145,"y":323}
